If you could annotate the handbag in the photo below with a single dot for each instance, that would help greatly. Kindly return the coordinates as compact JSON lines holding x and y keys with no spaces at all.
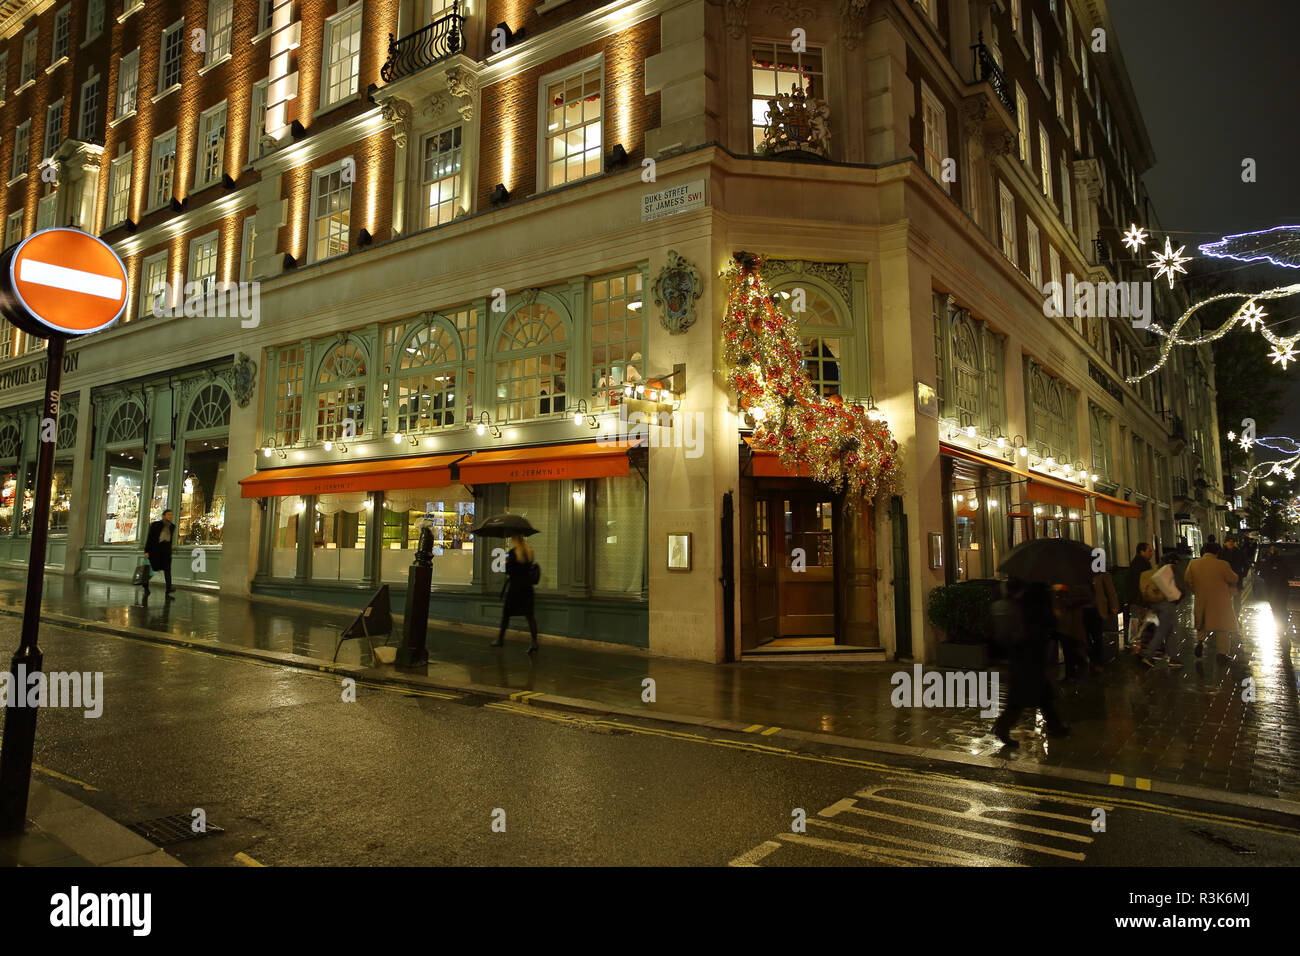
{"x":534,"y":573}
{"x":142,"y":572}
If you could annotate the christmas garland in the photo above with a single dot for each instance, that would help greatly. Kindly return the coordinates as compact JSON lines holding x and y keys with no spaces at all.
{"x":841,"y":445}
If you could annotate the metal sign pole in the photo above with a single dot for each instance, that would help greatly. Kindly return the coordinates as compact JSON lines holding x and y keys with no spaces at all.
{"x":20,"y":721}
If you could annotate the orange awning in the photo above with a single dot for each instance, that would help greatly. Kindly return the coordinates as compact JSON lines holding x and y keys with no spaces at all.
{"x":548,"y":463}
{"x":1039,"y":488}
{"x":1115,"y":506}
{"x":1036,"y":490}
{"x":767,"y":464}
{"x":425,"y":471}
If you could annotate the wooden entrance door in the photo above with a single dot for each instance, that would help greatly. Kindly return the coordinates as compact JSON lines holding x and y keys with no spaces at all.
{"x":805,"y":540}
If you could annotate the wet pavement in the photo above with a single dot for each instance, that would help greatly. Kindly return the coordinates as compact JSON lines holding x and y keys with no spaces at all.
{"x":1227,"y":727}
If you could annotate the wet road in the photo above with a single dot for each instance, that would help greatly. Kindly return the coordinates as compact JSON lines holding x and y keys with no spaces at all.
{"x":296,"y":774}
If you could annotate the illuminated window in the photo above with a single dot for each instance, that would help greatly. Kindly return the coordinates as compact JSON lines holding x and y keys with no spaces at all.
{"x":257,"y":119}
{"x":221,"y":19}
{"x":170,"y":49}
{"x":774,"y":70}
{"x":1039,"y":68}
{"x":119,"y":188}
{"x":62,"y":32}
{"x":88,"y":126}
{"x":331,"y":203}
{"x":128,"y":75}
{"x":29,"y":58}
{"x":342,"y":55}
{"x":531,"y":353}
{"x":441,"y":176}
{"x":95,"y":19}
{"x":1035,"y":254}
{"x":211,"y":146}
{"x":22,"y":148}
{"x":13,"y":227}
{"x":246,"y":248}
{"x":572,"y":112}
{"x":45,"y":211}
{"x":153,"y":277}
{"x":341,"y":392}
{"x":935,"y":126}
{"x":53,"y":128}
{"x":162,"y":169}
{"x":288,"y":395}
{"x":1022,"y":120}
{"x":1045,"y":160}
{"x":618,"y":337}
{"x":1007,"y":215}
{"x":203,"y":262}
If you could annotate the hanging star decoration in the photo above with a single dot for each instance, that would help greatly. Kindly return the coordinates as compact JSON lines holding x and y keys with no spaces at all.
{"x":1136,"y":236}
{"x":1289,"y":448}
{"x":1170,"y":261}
{"x":838,"y":443}
{"x":1283,"y":352}
{"x":1252,"y":315}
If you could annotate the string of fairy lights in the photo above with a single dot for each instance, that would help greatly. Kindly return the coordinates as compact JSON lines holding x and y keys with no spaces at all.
{"x":1279,"y":246}
{"x":1285,"y":466}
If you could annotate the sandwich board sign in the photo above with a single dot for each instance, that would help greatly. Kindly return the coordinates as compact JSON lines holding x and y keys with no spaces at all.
{"x":62,"y":282}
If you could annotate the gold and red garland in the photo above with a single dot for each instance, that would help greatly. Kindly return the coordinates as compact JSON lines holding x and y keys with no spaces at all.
{"x":840,"y":444}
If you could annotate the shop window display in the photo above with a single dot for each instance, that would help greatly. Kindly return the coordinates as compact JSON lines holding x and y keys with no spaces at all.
{"x":284,"y":547}
{"x":203,"y":493}
{"x":451,"y":515}
{"x":7,"y":493}
{"x":339,"y":537}
{"x":123,"y":478}
{"x":162,"y":464}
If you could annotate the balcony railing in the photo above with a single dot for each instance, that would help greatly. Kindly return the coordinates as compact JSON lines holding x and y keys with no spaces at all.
{"x":987,"y":70}
{"x":1101,"y":252}
{"x":415,"y":51}
{"x":1180,"y":486}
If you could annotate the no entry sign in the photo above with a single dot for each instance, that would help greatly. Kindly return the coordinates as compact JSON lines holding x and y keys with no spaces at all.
{"x":62,"y":282}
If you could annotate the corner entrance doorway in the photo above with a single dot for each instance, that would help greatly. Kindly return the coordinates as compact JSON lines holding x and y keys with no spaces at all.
{"x":807,"y":570}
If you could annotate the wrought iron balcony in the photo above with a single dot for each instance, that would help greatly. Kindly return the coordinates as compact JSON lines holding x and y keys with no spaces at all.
{"x":1180,"y":487}
{"x":988,"y":71}
{"x":1101,"y":252}
{"x":415,"y":51}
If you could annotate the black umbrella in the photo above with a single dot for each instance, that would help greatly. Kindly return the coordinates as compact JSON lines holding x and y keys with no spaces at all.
{"x":504,"y":526}
{"x":1050,"y":561}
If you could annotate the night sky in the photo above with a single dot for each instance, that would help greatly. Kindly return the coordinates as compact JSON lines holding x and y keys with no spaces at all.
{"x":1217,"y":82}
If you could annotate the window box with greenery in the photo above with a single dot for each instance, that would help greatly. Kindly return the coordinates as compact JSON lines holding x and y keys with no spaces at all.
{"x":962,"y":612}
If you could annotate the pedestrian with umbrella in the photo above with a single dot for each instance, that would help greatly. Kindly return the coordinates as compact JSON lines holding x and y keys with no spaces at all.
{"x":1029,"y":625}
{"x":522,"y":572}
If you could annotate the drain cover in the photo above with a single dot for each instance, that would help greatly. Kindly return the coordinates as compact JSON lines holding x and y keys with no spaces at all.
{"x":177,"y":828}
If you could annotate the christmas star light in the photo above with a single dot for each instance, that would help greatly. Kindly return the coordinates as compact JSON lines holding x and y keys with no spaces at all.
{"x":1232,"y":436}
{"x":1252,"y":315}
{"x":1136,"y":236}
{"x":1170,"y":261}
{"x":1288,"y":447}
{"x":1283,"y":352}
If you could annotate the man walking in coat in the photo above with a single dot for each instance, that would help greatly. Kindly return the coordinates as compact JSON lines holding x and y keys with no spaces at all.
{"x":1137,"y":607}
{"x":1211,"y":580}
{"x":158,"y":548}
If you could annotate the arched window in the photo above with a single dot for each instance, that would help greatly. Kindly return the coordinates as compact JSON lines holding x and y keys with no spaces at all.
{"x":825,"y":331}
{"x":967,"y":372}
{"x":531,"y":356}
{"x":1099,"y":427}
{"x":426,"y":381}
{"x":1049,"y":403}
{"x":126,"y":425}
{"x":67,"y":431}
{"x":11,"y":439}
{"x":341,"y":392}
{"x":210,"y":409}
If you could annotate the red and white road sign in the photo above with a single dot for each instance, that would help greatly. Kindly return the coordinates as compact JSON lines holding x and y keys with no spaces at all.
{"x":62,"y":281}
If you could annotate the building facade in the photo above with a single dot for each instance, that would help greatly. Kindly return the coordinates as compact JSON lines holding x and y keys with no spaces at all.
{"x":430,"y":261}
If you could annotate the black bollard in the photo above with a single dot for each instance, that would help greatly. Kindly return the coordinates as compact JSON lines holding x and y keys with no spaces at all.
{"x":415,"y":621}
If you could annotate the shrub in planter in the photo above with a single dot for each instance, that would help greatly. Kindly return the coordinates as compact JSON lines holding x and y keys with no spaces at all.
{"x":961,"y":611}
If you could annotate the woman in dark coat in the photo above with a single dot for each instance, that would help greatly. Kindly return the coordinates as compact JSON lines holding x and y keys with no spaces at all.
{"x":518,"y":590}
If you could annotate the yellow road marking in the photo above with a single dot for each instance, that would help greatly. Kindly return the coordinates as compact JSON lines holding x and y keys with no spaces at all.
{"x":1117,"y":780}
{"x":957,"y":831}
{"x":1142,"y":783}
{"x":943,"y":855}
{"x":247,"y":860}
{"x":971,"y":815}
{"x":770,"y":731}
{"x":63,"y":776}
{"x":751,"y":728}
